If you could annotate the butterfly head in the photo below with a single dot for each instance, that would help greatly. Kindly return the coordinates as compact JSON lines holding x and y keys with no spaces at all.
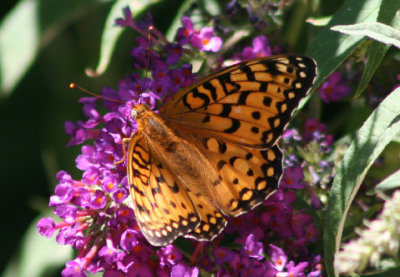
{"x":139,"y":111}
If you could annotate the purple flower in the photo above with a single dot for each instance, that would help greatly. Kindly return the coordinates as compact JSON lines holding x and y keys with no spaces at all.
{"x":70,"y":235}
{"x":74,"y":268}
{"x":315,"y":201}
{"x":206,"y":263}
{"x":314,"y":176}
{"x":292,"y":178}
{"x":108,"y":252}
{"x":311,"y":233}
{"x":139,"y":269}
{"x":291,"y":134}
{"x":169,"y":255}
{"x":46,"y":227}
{"x":91,"y":175}
{"x":233,"y":7}
{"x":334,"y":88}
{"x":278,"y":257}
{"x":174,"y":53}
{"x":161,"y":85}
{"x":222,"y":255}
{"x":67,"y":212}
{"x":120,"y":195}
{"x":124,"y":214}
{"x":316,"y":267}
{"x":182,"y":270}
{"x":127,"y":20}
{"x":129,"y":240}
{"x":312,"y":129}
{"x":240,"y":264}
{"x":283,"y":265}
{"x":296,"y":270}
{"x":87,"y":158}
{"x":260,"y":48}
{"x":63,"y":193}
{"x":206,"y":41}
{"x":253,"y":248}
{"x":98,"y":200}
{"x":79,"y":133}
{"x":185,"y":33}
{"x":110,"y":183}
{"x":300,"y":221}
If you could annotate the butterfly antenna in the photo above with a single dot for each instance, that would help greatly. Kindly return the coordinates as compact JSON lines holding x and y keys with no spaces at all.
{"x":75,"y":86}
{"x":149,"y":30}
{"x":147,"y":69}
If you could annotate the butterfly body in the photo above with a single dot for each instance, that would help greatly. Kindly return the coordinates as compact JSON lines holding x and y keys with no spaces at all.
{"x":188,"y":164}
{"x":212,"y":150}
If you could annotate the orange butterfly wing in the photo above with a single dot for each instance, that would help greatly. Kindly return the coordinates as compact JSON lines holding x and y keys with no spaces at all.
{"x":235,"y":118}
{"x":247,"y":176}
{"x":162,"y":207}
{"x":249,"y":103}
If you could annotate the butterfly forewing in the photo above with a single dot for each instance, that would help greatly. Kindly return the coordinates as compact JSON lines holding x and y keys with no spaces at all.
{"x":249,"y":103}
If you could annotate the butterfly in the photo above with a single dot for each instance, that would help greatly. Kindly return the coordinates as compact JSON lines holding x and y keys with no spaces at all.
{"x":211,"y":152}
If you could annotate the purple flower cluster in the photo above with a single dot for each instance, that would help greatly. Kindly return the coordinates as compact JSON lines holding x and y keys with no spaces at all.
{"x":95,"y":213}
{"x":204,"y":40}
{"x":259,"y":48}
{"x":310,"y":155}
{"x":334,"y":88}
{"x":261,"y":14}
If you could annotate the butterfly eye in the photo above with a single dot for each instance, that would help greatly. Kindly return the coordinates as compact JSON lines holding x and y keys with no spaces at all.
{"x":134,"y":114}
{"x":139,"y":111}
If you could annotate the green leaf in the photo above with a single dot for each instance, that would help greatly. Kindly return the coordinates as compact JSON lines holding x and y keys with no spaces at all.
{"x":376,"y":132}
{"x":319,"y":21}
{"x":330,"y":48}
{"x":392,"y":272}
{"x":15,"y":56}
{"x":391,"y":182}
{"x":29,"y":26}
{"x":376,"y":50}
{"x":112,"y":32}
{"x":38,"y":254}
{"x":374,"y":30}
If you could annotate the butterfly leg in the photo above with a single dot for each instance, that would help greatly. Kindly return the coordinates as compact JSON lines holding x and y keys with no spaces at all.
{"x":124,"y":142}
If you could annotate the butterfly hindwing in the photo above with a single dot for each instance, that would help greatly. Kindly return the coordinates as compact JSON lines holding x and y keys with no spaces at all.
{"x":162,"y":207}
{"x":212,"y":221}
{"x":250,"y":103}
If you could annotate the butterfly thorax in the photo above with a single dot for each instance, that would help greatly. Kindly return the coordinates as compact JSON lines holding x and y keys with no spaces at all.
{"x":189,"y":164}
